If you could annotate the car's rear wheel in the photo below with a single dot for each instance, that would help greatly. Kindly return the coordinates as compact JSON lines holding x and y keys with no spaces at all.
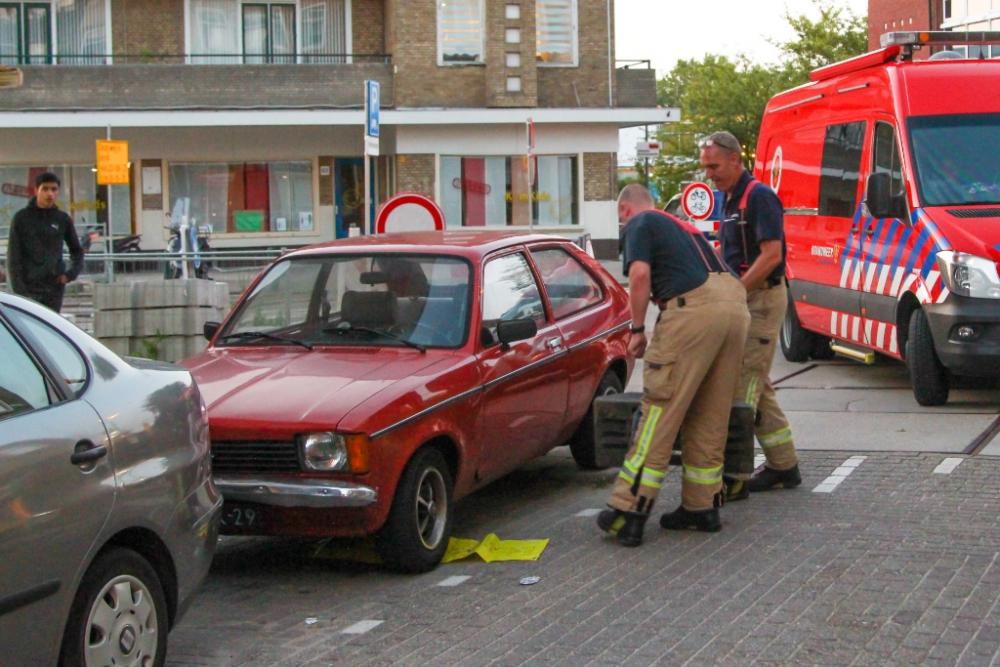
{"x":583,"y":444}
{"x":796,"y":342}
{"x":416,"y":534}
{"x":119,"y":615}
{"x":928,"y":376}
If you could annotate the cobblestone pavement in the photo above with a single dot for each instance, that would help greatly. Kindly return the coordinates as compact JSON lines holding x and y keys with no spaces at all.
{"x":897,"y":565}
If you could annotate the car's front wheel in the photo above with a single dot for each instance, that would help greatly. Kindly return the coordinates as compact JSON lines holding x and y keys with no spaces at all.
{"x":928,"y":376}
{"x":415,"y":536}
{"x":583,"y":444}
{"x":119,"y":615}
{"x":796,"y":343}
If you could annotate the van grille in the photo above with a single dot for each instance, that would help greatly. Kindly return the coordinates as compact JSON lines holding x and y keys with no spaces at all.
{"x":975,"y":213}
{"x":254,"y":457}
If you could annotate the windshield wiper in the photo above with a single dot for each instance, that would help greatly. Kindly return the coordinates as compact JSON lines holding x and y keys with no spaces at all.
{"x":269,"y":336}
{"x":386,"y":334}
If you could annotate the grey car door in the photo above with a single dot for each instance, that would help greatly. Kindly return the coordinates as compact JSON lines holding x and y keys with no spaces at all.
{"x":51,"y":508}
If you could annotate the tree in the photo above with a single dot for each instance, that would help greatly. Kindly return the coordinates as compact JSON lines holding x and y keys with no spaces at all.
{"x":723,"y":93}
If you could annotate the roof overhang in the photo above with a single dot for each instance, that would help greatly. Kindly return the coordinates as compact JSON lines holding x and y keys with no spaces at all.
{"x":347,"y":117}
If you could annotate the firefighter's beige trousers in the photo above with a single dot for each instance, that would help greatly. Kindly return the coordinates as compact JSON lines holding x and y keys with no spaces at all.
{"x":692,"y":366}
{"x":767,"y":312}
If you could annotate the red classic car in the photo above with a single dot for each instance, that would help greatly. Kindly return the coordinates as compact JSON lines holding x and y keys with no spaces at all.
{"x":360,"y":387}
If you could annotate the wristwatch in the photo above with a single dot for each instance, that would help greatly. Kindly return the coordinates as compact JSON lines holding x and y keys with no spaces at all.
{"x":638,"y":329}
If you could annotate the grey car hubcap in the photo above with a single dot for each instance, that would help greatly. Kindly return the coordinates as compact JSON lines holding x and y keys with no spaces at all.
{"x":122,"y":628}
{"x":432,"y":508}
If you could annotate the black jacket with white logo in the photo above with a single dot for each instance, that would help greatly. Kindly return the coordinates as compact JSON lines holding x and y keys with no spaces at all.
{"x":35,"y":249}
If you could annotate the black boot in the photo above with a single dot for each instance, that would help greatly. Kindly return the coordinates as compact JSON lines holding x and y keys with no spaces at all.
{"x":735,"y":489}
{"x":768,"y":479}
{"x":705,"y":521}
{"x":626,"y":526}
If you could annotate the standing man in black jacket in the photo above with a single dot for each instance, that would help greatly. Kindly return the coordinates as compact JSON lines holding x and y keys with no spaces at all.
{"x":35,"y":248}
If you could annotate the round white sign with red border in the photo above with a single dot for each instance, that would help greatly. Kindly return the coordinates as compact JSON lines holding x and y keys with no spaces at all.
{"x":698,"y":201}
{"x":409,"y":212}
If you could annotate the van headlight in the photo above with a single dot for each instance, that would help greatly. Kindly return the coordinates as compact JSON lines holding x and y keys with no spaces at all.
{"x":323,"y":451}
{"x":968,"y":275}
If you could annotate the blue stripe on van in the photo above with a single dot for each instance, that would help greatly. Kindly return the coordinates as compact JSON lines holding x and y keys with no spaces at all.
{"x":900,"y":248}
{"x":918,"y":247}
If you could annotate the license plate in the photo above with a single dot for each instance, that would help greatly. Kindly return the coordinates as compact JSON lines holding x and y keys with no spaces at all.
{"x":241,"y":517}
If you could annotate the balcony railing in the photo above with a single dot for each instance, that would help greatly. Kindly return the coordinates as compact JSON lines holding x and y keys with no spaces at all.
{"x":200,"y":59}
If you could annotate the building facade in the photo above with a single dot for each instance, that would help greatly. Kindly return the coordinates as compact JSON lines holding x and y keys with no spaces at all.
{"x":959,"y":15}
{"x":247,"y":117}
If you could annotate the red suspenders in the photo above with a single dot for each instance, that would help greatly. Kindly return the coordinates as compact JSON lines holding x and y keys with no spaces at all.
{"x":745,"y":266}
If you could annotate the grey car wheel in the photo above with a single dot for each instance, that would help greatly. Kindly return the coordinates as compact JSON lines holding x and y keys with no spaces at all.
{"x":119,"y":616}
{"x":431,"y":508}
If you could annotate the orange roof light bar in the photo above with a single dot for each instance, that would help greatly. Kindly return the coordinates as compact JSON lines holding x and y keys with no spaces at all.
{"x":873,"y":59}
{"x":940,"y":37}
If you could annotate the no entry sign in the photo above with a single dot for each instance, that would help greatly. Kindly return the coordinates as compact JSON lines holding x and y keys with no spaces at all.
{"x":409,"y":212}
{"x":698,"y":201}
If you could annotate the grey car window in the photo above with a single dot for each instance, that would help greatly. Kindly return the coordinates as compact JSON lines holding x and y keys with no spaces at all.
{"x":510,"y":292}
{"x":63,"y":354}
{"x":22,"y":385}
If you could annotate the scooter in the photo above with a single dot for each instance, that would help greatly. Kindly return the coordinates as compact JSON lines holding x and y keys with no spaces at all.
{"x":90,"y":233}
{"x":197,"y":243}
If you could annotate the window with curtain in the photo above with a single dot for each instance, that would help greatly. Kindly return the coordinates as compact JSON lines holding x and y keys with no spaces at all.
{"x":81,"y":31}
{"x":555,"y":32}
{"x":244,"y":197}
{"x":494,"y":191}
{"x":460,"y":31}
{"x":214,"y":28}
{"x":324,"y":33}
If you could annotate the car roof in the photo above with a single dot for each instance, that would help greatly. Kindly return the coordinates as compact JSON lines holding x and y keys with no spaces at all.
{"x":470,"y":244}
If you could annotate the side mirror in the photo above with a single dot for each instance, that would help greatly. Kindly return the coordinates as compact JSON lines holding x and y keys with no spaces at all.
{"x":511,"y":331}
{"x":209,"y":330}
{"x":879,"y":200}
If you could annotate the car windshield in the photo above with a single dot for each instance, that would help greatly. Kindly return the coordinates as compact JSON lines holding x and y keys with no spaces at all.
{"x":956,"y":158}
{"x":376,"y":299}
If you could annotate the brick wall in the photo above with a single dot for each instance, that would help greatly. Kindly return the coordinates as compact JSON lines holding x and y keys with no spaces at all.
{"x":209,"y":86}
{"x":147,"y":27}
{"x":497,"y":49}
{"x":896,"y":15}
{"x":367,"y":26}
{"x":599,"y":177}
{"x":636,"y":88}
{"x":556,"y":84}
{"x":415,"y":173}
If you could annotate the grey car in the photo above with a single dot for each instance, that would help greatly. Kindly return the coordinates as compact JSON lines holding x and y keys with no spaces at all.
{"x":108,"y":514}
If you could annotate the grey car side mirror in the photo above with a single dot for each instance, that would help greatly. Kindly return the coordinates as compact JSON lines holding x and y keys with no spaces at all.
{"x":511,"y":331}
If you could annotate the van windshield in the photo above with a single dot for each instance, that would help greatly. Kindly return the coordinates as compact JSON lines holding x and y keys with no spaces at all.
{"x":956,"y":158}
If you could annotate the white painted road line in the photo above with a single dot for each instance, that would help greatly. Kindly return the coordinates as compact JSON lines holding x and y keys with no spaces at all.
{"x":947,"y":466}
{"x":588,"y":512}
{"x":839,"y":475}
{"x":454,"y":581}
{"x":361,"y":627}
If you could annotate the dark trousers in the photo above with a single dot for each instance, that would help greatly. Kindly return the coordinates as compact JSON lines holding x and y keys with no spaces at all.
{"x":51,"y":298}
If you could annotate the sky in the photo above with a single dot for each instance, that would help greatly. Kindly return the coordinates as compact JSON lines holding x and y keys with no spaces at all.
{"x":665,"y":31}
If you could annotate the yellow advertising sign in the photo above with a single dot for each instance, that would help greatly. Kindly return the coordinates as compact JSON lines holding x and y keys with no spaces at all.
{"x":112,"y":163}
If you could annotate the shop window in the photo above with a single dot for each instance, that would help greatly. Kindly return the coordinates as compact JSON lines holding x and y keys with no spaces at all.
{"x":80,"y":196}
{"x":494,"y":191}
{"x":556,"y":32}
{"x":243,"y":197}
{"x":460,"y":31}
{"x":841,"y":169}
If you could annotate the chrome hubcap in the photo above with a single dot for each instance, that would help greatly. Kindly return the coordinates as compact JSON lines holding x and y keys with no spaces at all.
{"x":122,"y":628}
{"x":786,"y":330}
{"x":432,"y":508}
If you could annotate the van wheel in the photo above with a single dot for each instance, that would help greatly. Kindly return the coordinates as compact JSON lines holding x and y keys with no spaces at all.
{"x":796,"y":342}
{"x":416,"y":534}
{"x":119,"y":615}
{"x":583,"y":444}
{"x":928,"y":377}
{"x":820,"y":348}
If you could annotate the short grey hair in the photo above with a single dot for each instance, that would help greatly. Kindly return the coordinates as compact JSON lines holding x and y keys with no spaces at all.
{"x":726,"y":141}
{"x":637,"y":195}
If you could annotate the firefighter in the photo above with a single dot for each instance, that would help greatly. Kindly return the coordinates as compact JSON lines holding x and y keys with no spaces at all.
{"x":753,"y":243}
{"x":692,"y":365}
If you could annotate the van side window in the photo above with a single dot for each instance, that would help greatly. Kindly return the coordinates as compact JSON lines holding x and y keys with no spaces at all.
{"x":841,"y":169}
{"x":886,"y":156}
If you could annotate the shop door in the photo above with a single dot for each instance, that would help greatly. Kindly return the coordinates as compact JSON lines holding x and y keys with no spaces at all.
{"x":349,"y":178}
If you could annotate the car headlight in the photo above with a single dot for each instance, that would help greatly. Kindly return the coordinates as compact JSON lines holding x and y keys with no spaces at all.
{"x":323,"y":451}
{"x":968,"y":275}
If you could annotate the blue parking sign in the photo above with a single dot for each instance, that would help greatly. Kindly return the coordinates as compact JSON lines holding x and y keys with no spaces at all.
{"x":372,"y":94}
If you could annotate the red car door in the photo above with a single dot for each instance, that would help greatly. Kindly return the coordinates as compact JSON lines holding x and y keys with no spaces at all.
{"x":525,"y":385}
{"x":582,"y":312}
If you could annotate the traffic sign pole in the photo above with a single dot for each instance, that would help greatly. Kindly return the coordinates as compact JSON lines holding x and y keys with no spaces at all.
{"x":372,"y":105}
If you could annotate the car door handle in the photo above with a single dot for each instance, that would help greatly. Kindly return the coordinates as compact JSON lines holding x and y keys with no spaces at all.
{"x":555,"y":343}
{"x":87,"y":452}
{"x":854,"y":229}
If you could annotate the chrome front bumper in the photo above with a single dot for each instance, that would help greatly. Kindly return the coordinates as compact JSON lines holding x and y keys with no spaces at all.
{"x":319,"y":493}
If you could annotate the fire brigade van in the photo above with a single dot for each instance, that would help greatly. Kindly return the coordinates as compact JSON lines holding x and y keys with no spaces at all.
{"x":889,"y":171}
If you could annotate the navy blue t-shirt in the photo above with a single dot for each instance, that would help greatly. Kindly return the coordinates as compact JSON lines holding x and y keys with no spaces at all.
{"x":679,"y":261}
{"x":765,"y":221}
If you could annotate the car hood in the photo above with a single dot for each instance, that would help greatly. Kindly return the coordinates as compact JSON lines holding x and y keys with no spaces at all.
{"x":252,"y":392}
{"x":977,"y":236}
